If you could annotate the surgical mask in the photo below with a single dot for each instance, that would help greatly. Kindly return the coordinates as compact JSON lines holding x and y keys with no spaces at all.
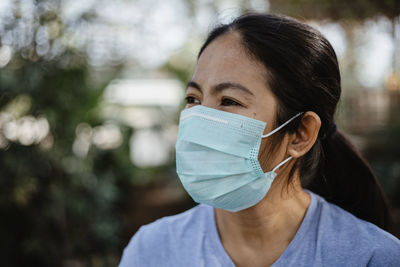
{"x":217,"y":158}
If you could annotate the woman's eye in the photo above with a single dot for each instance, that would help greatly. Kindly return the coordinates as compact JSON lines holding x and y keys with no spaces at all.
{"x":191,"y":100}
{"x":229,"y":102}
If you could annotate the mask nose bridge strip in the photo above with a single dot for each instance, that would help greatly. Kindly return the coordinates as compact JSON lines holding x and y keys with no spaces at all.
{"x":203,"y":116}
{"x":280,"y":127}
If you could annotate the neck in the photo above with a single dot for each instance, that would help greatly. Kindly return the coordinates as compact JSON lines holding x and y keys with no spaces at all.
{"x":274,"y":220}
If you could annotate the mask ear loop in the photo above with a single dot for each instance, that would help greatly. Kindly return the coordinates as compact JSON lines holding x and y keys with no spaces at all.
{"x":280,"y":127}
{"x":280,"y":164}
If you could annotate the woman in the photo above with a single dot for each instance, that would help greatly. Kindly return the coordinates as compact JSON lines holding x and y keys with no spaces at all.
{"x":257,"y":130}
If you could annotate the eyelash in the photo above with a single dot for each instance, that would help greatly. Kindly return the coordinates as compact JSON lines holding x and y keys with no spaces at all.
{"x":232,"y":102}
{"x":224,"y":101}
{"x":190,"y":100}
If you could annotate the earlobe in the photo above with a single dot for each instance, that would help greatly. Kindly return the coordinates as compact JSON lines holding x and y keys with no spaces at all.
{"x":306,"y":135}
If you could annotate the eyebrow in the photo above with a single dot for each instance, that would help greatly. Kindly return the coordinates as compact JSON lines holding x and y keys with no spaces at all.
{"x":221,"y":87}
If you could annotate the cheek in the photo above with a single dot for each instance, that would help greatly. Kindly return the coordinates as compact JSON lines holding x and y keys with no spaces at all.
{"x":265,"y":110}
{"x":265,"y":154}
{"x":272,"y":152}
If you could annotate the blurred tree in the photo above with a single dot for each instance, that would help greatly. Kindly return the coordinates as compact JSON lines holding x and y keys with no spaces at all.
{"x":57,"y":206}
{"x":331,"y":9}
{"x":383,"y":151}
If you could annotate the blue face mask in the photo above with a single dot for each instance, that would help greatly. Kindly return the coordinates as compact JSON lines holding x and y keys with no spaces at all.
{"x":217,"y":158}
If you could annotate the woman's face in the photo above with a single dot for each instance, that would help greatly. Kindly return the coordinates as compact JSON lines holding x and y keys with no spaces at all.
{"x":226,"y":78}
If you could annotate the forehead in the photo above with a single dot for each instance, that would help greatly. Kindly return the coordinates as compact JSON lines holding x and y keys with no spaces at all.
{"x":225,"y":59}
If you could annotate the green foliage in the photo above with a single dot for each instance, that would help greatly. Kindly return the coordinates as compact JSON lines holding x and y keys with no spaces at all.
{"x":54,"y":205}
{"x":57,"y":207}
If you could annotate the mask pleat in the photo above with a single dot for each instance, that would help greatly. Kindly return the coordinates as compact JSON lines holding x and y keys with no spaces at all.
{"x":221,"y":186}
{"x":225,"y":140}
{"x":238,"y":199}
{"x":206,"y":162}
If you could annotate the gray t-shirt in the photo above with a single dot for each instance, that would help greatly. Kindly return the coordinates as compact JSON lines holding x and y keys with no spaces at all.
{"x":328,"y":236}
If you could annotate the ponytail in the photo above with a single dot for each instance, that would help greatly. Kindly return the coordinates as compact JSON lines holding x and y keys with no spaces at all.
{"x":346,"y":179}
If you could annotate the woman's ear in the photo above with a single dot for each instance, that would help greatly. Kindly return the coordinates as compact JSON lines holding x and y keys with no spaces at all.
{"x":305,"y":136}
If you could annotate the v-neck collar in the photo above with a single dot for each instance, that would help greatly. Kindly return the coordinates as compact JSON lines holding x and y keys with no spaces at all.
{"x":293,"y":245}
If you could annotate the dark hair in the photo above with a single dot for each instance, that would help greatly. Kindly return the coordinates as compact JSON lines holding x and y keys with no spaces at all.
{"x":303,"y":73}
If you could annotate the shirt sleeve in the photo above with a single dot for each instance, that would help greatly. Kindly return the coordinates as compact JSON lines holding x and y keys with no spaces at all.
{"x":386,"y":255}
{"x":132,"y":255}
{"x":149,"y":247}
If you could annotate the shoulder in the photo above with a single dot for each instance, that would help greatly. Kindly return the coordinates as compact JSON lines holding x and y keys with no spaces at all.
{"x":158,"y":241}
{"x":188,"y":221}
{"x":386,"y":252}
{"x":169,"y":228}
{"x":350,"y":234}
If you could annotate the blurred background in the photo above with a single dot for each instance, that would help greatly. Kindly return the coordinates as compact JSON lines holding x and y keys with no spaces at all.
{"x":90,"y":93}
